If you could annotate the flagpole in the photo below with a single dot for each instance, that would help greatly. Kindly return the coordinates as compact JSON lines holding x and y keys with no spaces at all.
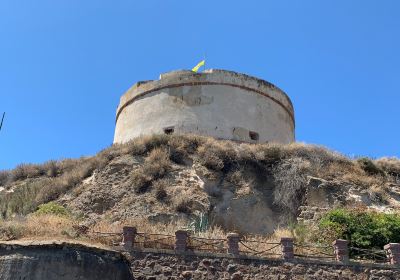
{"x":204,"y":61}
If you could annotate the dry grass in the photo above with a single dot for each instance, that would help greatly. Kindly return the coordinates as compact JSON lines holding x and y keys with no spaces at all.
{"x":45,"y":227}
{"x":156,"y":166}
{"x":262,"y":243}
{"x":217,"y":155}
{"x":37,"y":226}
{"x":160,"y":187}
{"x":391,"y":166}
{"x":290,"y":176}
{"x":56,"y":179}
{"x":287,"y":165}
{"x":183,"y":204}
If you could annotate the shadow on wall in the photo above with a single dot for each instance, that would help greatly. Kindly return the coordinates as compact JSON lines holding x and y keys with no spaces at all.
{"x":59,"y":262}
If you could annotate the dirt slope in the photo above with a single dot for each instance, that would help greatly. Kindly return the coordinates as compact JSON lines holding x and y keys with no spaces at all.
{"x":249,"y":188}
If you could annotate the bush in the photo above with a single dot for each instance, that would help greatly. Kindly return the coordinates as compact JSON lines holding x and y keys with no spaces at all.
{"x":4,"y":177}
{"x":161,"y":193}
{"x":369,"y":166}
{"x":155,"y":167}
{"x":147,"y":144}
{"x":141,"y":182}
{"x":21,"y":200}
{"x":183,"y":205}
{"x":24,"y":171}
{"x":51,"y":168}
{"x":10,"y":231}
{"x":217,"y":155}
{"x":390,"y":165}
{"x":37,"y":226}
{"x":363,"y":229}
{"x":290,"y":178}
{"x":51,"y":208}
{"x":160,"y":187}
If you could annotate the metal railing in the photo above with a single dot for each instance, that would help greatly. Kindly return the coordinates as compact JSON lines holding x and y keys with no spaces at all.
{"x":108,"y":238}
{"x":311,"y":251}
{"x":368,"y":255}
{"x":248,"y":247}
{"x":206,"y":244}
{"x":259,"y":248}
{"x":154,"y":241}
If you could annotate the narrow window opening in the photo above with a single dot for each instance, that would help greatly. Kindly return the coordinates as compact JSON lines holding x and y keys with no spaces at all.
{"x":169,"y":130}
{"x":254,"y":135}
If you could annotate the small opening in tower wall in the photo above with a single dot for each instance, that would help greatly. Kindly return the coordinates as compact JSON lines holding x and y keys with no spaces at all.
{"x":253,"y":135}
{"x":169,"y":130}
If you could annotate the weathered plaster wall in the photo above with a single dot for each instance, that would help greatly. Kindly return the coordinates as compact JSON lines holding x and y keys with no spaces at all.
{"x":220,"y":104}
{"x":61,"y":262}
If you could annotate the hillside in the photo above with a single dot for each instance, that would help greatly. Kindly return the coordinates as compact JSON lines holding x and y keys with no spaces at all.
{"x":163,"y":180}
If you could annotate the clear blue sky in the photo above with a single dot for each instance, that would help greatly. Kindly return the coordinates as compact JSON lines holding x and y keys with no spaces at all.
{"x":64,"y":65}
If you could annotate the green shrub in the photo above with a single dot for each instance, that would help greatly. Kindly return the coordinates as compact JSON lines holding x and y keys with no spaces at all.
{"x":363,"y":229}
{"x":52,"y":208}
{"x":20,"y":201}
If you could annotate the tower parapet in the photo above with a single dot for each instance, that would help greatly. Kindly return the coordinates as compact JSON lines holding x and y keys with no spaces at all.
{"x":217,"y":103}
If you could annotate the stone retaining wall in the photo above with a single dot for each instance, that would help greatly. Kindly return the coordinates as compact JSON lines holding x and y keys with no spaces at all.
{"x":160,"y":266}
{"x":52,"y":260}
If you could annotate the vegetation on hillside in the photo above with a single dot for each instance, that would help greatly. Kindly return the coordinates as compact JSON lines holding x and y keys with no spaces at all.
{"x":31,"y":188}
{"x":362,"y":228}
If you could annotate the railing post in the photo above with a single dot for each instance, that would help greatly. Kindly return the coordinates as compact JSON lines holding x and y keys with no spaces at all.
{"x":181,"y":240}
{"x":393,"y":253}
{"x":233,"y":243}
{"x":287,"y":248}
{"x":341,"y":250}
{"x":128,"y":238}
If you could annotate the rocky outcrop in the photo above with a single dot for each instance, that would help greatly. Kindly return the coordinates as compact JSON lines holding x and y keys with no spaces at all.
{"x":328,"y":194}
{"x":108,"y":192}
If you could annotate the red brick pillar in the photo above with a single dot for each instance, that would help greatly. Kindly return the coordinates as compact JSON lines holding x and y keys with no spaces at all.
{"x":233,"y":243}
{"x":393,"y":252}
{"x":287,"y":248}
{"x":128,"y":238}
{"x":341,"y":250}
{"x":181,"y":240}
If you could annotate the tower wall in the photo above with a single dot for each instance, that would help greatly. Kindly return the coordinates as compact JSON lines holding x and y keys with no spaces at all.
{"x":216,"y":103}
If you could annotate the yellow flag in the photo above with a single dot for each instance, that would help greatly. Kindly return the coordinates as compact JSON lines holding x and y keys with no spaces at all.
{"x":196,"y":68}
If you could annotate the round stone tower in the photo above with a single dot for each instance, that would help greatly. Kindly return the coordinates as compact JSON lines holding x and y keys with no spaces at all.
{"x":217,"y":103}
